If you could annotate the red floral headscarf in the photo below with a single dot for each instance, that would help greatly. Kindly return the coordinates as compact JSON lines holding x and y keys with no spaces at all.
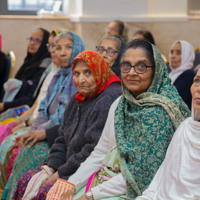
{"x":103,"y":75}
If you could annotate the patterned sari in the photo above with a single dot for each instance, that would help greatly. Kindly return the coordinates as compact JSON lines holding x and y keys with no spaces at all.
{"x":142,"y":137}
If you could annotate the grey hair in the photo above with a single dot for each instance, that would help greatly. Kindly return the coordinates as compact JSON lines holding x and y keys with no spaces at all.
{"x":66,"y":34}
{"x":113,"y":37}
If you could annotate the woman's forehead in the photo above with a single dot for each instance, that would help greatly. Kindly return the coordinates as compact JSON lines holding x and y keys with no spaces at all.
{"x":109,"y":42}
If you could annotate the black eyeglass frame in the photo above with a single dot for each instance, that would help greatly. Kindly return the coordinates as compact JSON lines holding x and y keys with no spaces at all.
{"x":114,"y":51}
{"x":135,"y":68}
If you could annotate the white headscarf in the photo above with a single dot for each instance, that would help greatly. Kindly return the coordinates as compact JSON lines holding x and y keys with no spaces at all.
{"x":187,"y":59}
{"x":178,"y":177}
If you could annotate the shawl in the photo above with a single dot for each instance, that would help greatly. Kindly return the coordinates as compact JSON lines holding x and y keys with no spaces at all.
{"x":187,"y":60}
{"x":103,"y":75}
{"x":32,"y":63}
{"x":178,"y":176}
{"x":61,"y":82}
{"x":116,"y":66}
{"x":144,"y":127}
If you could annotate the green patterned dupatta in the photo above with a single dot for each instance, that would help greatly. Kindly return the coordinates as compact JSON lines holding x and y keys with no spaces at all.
{"x":144,"y":127}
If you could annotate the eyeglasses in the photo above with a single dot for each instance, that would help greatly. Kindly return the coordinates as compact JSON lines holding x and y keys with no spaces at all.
{"x":50,"y":46}
{"x":139,"y":68}
{"x":109,"y":52}
{"x":110,"y":29}
{"x":36,"y":41}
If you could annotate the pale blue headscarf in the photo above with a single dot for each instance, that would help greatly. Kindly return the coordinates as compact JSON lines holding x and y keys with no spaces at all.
{"x":62,"y":82}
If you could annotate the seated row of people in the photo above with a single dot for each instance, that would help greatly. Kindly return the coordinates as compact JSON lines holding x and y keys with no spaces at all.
{"x":138,"y":130}
{"x":115,"y":42}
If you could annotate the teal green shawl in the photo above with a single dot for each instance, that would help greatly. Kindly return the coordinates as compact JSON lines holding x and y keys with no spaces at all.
{"x":144,"y":127}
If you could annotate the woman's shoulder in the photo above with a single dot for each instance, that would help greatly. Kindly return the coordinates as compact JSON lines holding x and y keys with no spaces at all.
{"x":113,"y":90}
{"x":188,"y":73}
{"x":183,"y":78}
{"x":107,"y":97}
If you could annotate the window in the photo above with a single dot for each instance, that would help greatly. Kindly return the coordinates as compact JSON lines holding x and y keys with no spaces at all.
{"x":25,"y":7}
{"x":193,"y":7}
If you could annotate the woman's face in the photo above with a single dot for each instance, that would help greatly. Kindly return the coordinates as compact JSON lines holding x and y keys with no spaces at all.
{"x":52,"y":50}
{"x":64,"y":50}
{"x":137,"y":83}
{"x":109,"y":44}
{"x":195,"y":91}
{"x":112,"y":29}
{"x":84,"y":79}
{"x":35,"y":41}
{"x":175,"y":56}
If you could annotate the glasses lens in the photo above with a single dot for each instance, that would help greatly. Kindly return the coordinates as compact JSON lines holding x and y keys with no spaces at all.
{"x":100,"y":49}
{"x":111,"y":52}
{"x":125,"y":67}
{"x":140,"y":68}
{"x":37,"y":41}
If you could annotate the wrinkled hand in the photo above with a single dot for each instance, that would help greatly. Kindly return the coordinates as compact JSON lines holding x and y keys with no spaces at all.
{"x":35,"y":135}
{"x":24,"y":139}
{"x":17,"y":142}
{"x":82,"y":197}
{"x":55,"y":176}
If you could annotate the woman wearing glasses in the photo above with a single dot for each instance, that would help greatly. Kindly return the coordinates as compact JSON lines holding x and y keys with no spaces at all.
{"x":111,"y":47}
{"x":19,"y":91}
{"x":138,"y":130}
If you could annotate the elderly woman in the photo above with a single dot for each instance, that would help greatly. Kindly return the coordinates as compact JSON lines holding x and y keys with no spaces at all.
{"x":136,"y":135}
{"x":111,"y":47}
{"x":84,"y":120}
{"x":30,"y":72}
{"x":178,"y":177}
{"x":181,"y":63}
{"x":51,"y":110}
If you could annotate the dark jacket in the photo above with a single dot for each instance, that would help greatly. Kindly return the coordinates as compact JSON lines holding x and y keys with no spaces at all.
{"x":26,"y":92}
{"x":82,"y":128}
{"x":183,"y":84}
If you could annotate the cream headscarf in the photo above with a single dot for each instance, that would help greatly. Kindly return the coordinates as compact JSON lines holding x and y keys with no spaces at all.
{"x":178,"y":177}
{"x":187,"y":59}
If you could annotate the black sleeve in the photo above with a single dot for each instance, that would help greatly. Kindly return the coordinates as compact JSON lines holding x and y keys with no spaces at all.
{"x":57,"y":156}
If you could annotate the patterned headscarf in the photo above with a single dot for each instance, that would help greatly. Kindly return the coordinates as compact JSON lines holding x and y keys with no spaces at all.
{"x":103,"y":75}
{"x":144,"y":127}
{"x":115,"y":67}
{"x":187,"y":59}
